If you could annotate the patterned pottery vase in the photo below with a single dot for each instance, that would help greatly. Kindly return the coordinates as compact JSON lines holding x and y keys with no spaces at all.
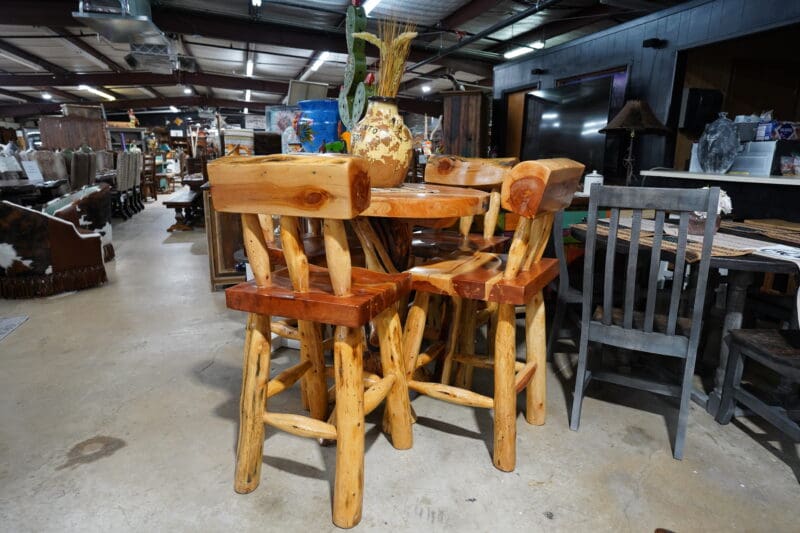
{"x":384,"y":141}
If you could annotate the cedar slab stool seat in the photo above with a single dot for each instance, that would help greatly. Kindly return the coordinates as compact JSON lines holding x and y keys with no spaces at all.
{"x":334,"y":189}
{"x":535,"y":190}
{"x":778,"y":350}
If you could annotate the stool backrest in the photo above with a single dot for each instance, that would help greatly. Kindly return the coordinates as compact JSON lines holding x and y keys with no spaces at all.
{"x":316,"y":186}
{"x":468,"y":171}
{"x":332,"y":188}
{"x":536,"y":190}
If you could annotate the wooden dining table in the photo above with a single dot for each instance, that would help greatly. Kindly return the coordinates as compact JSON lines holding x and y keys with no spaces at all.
{"x":740,"y":269}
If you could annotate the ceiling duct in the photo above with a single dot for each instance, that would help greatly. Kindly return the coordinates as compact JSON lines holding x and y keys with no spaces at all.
{"x":130,"y":21}
{"x":119,"y":21}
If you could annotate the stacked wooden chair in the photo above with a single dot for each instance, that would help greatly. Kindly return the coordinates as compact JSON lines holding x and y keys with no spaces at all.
{"x":534,"y":190}
{"x":332,"y":189}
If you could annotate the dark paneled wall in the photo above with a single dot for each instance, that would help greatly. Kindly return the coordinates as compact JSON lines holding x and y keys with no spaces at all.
{"x":652,"y":70}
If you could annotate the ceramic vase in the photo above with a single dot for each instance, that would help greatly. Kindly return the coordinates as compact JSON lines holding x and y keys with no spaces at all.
{"x":384,"y":141}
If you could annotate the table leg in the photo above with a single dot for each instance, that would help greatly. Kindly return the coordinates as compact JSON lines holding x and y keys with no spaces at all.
{"x":738,"y":282}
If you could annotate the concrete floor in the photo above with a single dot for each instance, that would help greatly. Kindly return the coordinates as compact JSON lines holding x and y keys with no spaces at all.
{"x":118,"y":411}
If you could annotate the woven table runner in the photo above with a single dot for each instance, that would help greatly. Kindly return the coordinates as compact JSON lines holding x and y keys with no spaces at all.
{"x":777,"y":233}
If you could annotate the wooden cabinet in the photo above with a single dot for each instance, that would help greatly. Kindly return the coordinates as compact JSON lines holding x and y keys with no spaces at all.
{"x":465,"y":123}
{"x":224,"y":233}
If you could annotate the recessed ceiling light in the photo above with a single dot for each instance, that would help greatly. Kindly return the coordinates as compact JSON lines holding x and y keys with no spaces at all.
{"x":246,"y":111}
{"x":92,"y":90}
{"x":426,"y":88}
{"x":187,"y":90}
{"x":47,"y":96}
{"x":538,"y":45}
{"x":173,"y":109}
{"x":247,"y":95}
{"x":320,"y":60}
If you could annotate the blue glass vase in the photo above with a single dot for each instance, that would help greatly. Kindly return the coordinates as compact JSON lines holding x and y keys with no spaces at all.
{"x":319,"y":123}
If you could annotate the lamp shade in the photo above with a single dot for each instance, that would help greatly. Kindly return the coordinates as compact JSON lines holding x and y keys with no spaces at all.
{"x":636,"y":116}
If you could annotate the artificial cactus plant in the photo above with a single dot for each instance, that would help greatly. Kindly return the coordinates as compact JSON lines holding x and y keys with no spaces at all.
{"x":353,"y":96}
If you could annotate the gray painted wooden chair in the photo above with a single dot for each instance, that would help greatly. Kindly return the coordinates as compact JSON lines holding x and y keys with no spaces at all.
{"x":644,"y":331}
{"x":778,"y":350}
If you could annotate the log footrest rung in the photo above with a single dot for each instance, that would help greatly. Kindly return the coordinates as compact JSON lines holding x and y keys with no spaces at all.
{"x":287,"y":378}
{"x":479,"y":361}
{"x":524,"y":376}
{"x":302,"y":426}
{"x":451,"y":394}
{"x":433,"y":353}
{"x":374,"y":395}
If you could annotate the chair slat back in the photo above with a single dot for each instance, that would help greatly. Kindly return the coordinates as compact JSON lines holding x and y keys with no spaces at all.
{"x":662,"y":201}
{"x":315,"y":186}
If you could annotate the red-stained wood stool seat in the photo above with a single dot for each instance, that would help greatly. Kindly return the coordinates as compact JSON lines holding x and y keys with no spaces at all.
{"x":332,"y":189}
{"x":535,"y":190}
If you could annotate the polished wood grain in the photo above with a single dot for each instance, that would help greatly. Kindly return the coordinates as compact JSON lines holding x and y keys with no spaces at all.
{"x":468,"y":171}
{"x":371,"y":293}
{"x":540,"y":185}
{"x":307,"y":186}
{"x":423,"y":200}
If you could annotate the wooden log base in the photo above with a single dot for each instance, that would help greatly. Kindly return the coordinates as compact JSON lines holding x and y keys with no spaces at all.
{"x":372,"y":292}
{"x":451,"y":394}
{"x":287,"y":378}
{"x":468,"y":171}
{"x":433,"y":353}
{"x":302,"y":426}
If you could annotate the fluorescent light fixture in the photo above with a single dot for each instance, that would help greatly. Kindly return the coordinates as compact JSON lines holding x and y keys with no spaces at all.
{"x":22,"y":62}
{"x":426,"y":88}
{"x":320,"y":60}
{"x":246,"y":111}
{"x":187,"y":90}
{"x":538,"y":45}
{"x":516,"y":52}
{"x":249,"y":68}
{"x":255,"y":3}
{"x":549,"y":116}
{"x":97,"y":92}
{"x":47,"y":96}
{"x":369,"y":5}
{"x":247,"y":95}
{"x":173,"y":109}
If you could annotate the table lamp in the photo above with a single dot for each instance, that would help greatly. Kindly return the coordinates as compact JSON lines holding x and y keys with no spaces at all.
{"x":634,"y":118}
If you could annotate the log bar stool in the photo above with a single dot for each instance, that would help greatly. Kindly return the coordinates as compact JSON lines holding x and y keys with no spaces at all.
{"x":332,"y":188}
{"x":534,"y":190}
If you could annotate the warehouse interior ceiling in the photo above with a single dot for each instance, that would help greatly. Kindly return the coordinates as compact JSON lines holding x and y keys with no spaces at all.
{"x":49,"y":57}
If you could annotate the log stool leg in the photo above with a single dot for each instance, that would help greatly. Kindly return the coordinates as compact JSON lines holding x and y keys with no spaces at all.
{"x":349,"y":483}
{"x":467,"y":343}
{"x":414,"y":330}
{"x":536,"y":348}
{"x":453,"y":339}
{"x":252,"y":405}
{"x":314,"y":387}
{"x":397,"y":415}
{"x":505,"y":398}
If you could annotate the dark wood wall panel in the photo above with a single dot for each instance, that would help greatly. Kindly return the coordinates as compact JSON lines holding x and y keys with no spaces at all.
{"x":652,"y":70}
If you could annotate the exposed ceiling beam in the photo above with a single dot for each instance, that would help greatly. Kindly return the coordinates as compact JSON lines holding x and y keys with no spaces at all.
{"x":152,"y":90}
{"x":188,"y":51}
{"x":18,"y":96}
{"x":31,"y":58}
{"x":131,"y":78}
{"x":555,"y":28}
{"x":62,"y":94}
{"x":31,"y":108}
{"x":465,"y":13}
{"x":86,"y":47}
{"x":438,"y":57}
